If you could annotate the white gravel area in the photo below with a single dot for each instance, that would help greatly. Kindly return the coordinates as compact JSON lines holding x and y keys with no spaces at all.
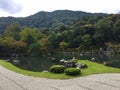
{"x":10,"y":80}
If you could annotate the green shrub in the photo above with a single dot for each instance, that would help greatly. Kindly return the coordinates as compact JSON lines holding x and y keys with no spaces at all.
{"x":72,"y":71}
{"x":34,"y":49}
{"x":57,"y":69}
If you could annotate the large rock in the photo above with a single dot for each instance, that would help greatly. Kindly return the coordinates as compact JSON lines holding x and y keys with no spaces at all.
{"x":67,"y":63}
{"x":81,"y":66}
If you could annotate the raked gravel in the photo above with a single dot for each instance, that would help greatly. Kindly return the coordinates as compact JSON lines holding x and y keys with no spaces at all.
{"x":10,"y":80}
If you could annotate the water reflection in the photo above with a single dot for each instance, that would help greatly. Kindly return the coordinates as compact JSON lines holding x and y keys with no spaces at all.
{"x":43,"y":63}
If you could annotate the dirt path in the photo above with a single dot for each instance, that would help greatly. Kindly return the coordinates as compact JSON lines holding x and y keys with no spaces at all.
{"x":10,"y":80}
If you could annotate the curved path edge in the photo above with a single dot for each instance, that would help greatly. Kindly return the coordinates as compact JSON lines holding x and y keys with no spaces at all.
{"x":10,"y":80}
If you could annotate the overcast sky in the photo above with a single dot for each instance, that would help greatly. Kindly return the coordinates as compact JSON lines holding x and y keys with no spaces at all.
{"x":22,"y":8}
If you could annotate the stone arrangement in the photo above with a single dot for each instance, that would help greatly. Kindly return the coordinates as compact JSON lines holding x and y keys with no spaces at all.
{"x":68,"y":64}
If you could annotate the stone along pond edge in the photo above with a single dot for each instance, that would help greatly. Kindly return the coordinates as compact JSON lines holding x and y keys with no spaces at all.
{"x":93,"y":68}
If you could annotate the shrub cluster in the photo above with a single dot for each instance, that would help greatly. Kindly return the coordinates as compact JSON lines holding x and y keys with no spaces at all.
{"x":67,"y":71}
{"x":72,"y":71}
{"x":57,"y":69}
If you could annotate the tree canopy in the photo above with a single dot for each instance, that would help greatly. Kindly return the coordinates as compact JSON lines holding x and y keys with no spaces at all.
{"x":86,"y":34}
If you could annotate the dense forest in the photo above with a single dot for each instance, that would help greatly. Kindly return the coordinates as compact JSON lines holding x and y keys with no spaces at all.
{"x":89,"y":33}
{"x":47,"y":20}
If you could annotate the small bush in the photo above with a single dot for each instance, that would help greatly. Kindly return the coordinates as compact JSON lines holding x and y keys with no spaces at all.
{"x":72,"y":71}
{"x":57,"y":69}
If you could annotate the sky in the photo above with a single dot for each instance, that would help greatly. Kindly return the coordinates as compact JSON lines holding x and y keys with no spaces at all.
{"x":23,"y":8}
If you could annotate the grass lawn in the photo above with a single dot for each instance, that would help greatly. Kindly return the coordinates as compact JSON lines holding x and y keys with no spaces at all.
{"x":93,"y":68}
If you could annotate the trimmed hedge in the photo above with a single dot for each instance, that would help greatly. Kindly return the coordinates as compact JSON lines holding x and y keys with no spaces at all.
{"x":57,"y":69}
{"x":72,"y":71}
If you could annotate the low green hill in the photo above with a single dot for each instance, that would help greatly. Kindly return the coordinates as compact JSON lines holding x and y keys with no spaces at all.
{"x":47,"y":19}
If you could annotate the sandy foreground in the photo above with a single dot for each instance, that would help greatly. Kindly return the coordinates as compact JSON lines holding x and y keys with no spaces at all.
{"x":10,"y":80}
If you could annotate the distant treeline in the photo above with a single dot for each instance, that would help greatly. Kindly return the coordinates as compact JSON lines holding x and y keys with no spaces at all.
{"x":47,"y":20}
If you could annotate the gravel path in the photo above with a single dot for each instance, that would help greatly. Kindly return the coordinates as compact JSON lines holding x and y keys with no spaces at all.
{"x":10,"y":80}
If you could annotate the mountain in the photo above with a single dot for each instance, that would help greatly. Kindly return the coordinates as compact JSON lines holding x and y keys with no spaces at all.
{"x":47,"y":19}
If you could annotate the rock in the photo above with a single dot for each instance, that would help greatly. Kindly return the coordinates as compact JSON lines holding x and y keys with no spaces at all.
{"x":8,"y":60}
{"x":81,"y":54}
{"x":62,"y":60}
{"x":53,"y":59}
{"x":15,"y":62}
{"x":45,"y":71}
{"x":69,"y":64}
{"x":84,"y":66}
{"x":107,"y":63}
{"x":81,"y":66}
{"x":93,"y":59}
{"x":73,"y":58}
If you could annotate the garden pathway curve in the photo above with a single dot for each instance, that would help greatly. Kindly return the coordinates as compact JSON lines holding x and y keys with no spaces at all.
{"x":10,"y":80}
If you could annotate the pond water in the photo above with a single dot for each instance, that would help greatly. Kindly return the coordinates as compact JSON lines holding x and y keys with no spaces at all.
{"x":43,"y":63}
{"x":40,"y":63}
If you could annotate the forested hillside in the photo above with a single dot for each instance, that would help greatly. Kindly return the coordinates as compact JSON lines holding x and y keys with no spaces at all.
{"x":47,"y":20}
{"x":84,"y":34}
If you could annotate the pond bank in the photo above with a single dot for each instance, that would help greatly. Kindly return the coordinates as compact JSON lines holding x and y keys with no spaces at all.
{"x":93,"y":68}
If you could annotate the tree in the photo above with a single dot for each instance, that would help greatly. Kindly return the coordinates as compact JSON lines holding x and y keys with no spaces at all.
{"x":61,"y":28}
{"x":45,"y":45}
{"x":35,"y":49}
{"x":29,"y":35}
{"x":79,"y":23}
{"x":86,"y":40}
{"x":117,"y":31}
{"x":63,"y":45}
{"x":104,"y":29}
{"x":13,"y":31}
{"x":18,"y":47}
{"x":4,"y":49}
{"x":29,"y":39}
{"x":53,"y":39}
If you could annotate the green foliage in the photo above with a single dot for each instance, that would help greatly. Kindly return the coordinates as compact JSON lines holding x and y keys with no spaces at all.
{"x":17,"y":47}
{"x":57,"y":69}
{"x":86,"y":31}
{"x":72,"y":71}
{"x":35,"y":49}
{"x":86,"y":39}
{"x":63,"y":44}
{"x":80,"y":23}
{"x":115,"y":48}
{"x":29,"y":35}
{"x":45,"y":45}
{"x":13,"y":31}
{"x":46,"y":19}
{"x":29,"y":39}
{"x":53,"y":39}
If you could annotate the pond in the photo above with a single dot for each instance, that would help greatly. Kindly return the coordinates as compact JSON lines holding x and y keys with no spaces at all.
{"x":43,"y":63}
{"x":40,"y":63}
